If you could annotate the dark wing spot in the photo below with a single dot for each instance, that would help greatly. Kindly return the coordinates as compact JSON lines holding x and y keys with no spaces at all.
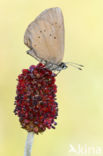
{"x":54,"y":37}
{"x":38,"y":36}
{"x":50,"y":35}
{"x":40,"y":31}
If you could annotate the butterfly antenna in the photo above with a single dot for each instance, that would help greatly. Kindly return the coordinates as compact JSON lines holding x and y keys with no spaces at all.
{"x":75,"y":65}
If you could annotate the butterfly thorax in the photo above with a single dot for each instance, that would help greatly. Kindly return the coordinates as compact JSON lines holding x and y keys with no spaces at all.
{"x":55,"y":67}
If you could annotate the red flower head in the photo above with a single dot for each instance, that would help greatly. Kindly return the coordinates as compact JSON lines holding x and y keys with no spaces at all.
{"x":35,"y":100}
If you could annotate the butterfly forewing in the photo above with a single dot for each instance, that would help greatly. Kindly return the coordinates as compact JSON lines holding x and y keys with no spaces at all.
{"x":45,"y":35}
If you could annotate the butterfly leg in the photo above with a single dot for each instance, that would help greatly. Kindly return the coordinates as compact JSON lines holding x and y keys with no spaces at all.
{"x":43,"y":62}
{"x":31,"y":52}
{"x":58,"y":72}
{"x":48,"y":65}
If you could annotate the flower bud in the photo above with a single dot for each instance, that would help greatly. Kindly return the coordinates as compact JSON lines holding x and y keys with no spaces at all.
{"x":35,"y":101}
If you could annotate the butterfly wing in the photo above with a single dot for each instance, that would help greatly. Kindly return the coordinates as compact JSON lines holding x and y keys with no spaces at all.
{"x":45,"y":35}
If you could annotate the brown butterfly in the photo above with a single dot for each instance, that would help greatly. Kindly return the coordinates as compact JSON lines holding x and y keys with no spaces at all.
{"x":45,"y":38}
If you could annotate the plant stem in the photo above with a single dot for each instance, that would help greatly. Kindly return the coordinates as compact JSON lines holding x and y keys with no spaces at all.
{"x":28,"y":144}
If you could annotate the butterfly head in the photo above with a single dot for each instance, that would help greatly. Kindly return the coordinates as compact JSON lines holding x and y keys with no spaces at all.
{"x":63,"y":65}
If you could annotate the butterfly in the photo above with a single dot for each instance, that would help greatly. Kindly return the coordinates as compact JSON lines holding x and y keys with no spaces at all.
{"x":45,"y":38}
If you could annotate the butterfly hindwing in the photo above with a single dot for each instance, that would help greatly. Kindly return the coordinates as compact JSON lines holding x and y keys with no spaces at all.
{"x":45,"y":35}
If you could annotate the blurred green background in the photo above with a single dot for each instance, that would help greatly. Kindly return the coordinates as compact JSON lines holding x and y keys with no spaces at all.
{"x":80,"y":93}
